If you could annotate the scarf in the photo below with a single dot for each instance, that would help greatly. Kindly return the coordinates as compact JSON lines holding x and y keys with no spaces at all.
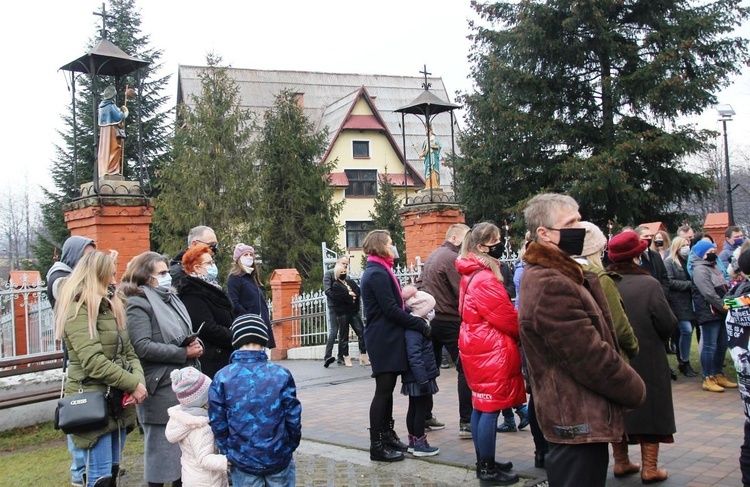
{"x":195,"y":411}
{"x":170,"y":314}
{"x":206,"y":278}
{"x":388,"y":264}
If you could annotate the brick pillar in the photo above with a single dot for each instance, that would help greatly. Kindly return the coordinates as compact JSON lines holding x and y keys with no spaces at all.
{"x":716,"y":225}
{"x":425,"y":226}
{"x":285,"y":284}
{"x":114,"y":222}
{"x":24,"y":280}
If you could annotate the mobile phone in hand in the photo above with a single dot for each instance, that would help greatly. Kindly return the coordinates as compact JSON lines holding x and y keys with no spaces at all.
{"x":127,"y":400}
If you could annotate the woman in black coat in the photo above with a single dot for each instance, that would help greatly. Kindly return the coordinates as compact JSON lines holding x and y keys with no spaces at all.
{"x":209,"y":308}
{"x":243,"y":288}
{"x":681,"y":300}
{"x":652,"y":320}
{"x":344,"y":295}
{"x":385,"y":339}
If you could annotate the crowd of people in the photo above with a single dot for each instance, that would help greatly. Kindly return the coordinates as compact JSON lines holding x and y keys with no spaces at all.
{"x":574,"y":338}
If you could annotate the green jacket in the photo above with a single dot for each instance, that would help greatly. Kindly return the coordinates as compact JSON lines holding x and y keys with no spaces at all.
{"x":92,"y":358}
{"x":625,"y":336}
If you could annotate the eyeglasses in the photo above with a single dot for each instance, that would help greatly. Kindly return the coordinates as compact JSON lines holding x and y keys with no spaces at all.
{"x":160,"y":274}
{"x":204,"y":264}
{"x":211,"y":245}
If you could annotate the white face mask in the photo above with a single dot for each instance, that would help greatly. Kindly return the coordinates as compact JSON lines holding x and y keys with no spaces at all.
{"x":164,"y":281}
{"x":247,"y":264}
{"x":684,"y":251}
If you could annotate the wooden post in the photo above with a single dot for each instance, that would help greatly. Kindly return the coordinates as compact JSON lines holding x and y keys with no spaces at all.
{"x":285,"y":284}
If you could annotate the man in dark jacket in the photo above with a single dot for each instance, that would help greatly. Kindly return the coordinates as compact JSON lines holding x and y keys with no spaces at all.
{"x":441,"y":279}
{"x":198,"y":235}
{"x":581,"y":384}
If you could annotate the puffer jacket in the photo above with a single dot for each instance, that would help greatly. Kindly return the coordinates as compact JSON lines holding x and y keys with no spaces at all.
{"x":582,"y":385}
{"x":421,"y":356}
{"x":91,"y":362}
{"x":202,"y":465}
{"x":487,"y":341}
{"x":255,"y":414}
{"x":680,"y":290}
{"x":709,"y":288}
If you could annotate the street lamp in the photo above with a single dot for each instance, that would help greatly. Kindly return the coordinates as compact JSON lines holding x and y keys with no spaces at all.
{"x":726,"y":112}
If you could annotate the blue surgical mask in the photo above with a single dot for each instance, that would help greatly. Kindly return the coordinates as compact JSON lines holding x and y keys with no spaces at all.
{"x":212,"y":271}
{"x":738,"y":241}
{"x":164,"y":280}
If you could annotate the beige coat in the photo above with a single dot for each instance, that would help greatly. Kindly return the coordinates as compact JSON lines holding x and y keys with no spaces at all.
{"x":202,"y":465}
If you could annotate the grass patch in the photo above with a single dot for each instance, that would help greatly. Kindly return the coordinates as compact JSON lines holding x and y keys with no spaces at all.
{"x":695,"y":362}
{"x":38,"y":455}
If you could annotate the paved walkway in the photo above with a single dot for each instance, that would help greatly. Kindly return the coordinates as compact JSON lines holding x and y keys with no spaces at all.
{"x":334,"y":451}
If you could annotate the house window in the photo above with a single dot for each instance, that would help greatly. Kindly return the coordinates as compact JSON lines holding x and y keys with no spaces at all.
{"x":361,"y":149}
{"x":361,"y":182}
{"x":355,"y":234}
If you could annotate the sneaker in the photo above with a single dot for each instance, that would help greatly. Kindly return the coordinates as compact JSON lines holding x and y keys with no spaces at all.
{"x":423,"y":449}
{"x":328,"y":361}
{"x":433,"y":424}
{"x":444,"y":363}
{"x":507,"y":427}
{"x":464,"y":431}
{"x":76,"y":483}
{"x":722,"y":380}
{"x":710,"y":385}
{"x":523,"y":417}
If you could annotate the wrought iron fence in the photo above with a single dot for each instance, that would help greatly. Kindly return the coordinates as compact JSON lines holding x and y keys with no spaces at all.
{"x":24,"y":306}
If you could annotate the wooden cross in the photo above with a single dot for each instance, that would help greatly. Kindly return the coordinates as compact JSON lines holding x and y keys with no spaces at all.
{"x":425,"y":85}
{"x":104,"y":16}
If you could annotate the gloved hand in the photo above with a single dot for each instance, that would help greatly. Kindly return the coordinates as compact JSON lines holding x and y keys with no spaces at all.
{"x":424,"y":387}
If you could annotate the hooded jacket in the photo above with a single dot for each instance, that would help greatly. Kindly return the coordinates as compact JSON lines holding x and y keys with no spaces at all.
{"x":487,"y":341}
{"x":581,"y":383}
{"x":709,"y":287}
{"x":72,"y":252}
{"x":202,"y":465}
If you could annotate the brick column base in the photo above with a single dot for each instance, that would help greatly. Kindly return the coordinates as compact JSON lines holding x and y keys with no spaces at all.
{"x":425,"y":226}
{"x":285,"y":284}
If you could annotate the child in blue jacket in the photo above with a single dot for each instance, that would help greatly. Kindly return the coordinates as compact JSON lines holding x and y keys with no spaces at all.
{"x":254,"y":411}
{"x":419,"y":381}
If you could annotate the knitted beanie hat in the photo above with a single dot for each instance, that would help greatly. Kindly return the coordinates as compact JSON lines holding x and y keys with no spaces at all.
{"x":419,"y":302}
{"x":249,"y":328}
{"x":626,"y":246}
{"x":240,"y":249}
{"x":702,"y":247}
{"x":594,"y":241}
{"x":190,"y":386}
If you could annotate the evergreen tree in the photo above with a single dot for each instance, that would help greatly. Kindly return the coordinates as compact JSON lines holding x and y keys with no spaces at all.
{"x":386,"y":215}
{"x":296,"y":208}
{"x":584,"y":98}
{"x":211,"y":179}
{"x":123,"y":29}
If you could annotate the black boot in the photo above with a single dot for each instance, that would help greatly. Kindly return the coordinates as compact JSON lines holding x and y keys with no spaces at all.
{"x":103,"y":482}
{"x":391,"y":439}
{"x":380,"y":451}
{"x":686,"y":369}
{"x":115,"y":474}
{"x":539,"y":459}
{"x":489,"y":474}
{"x":502,"y":466}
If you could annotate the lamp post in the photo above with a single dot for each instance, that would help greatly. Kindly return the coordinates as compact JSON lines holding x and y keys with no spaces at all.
{"x":726,"y":112}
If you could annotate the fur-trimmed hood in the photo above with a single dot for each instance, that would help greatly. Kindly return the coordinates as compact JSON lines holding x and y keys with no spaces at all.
{"x":186,"y":422}
{"x":537,"y":254}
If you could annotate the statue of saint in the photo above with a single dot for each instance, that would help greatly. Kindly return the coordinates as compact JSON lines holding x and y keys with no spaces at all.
{"x":111,"y":134}
{"x":431,"y":154}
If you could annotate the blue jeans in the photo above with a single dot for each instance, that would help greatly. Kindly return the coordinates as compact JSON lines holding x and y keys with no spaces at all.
{"x":484,"y":433}
{"x":285,"y":478}
{"x":714,"y":336}
{"x":78,"y":466}
{"x":100,"y":457}
{"x":686,"y":334}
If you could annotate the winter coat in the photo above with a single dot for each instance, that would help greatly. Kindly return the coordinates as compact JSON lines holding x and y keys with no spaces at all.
{"x":517,"y":276}
{"x":158,"y":358}
{"x":341,"y":302}
{"x":708,"y":290}
{"x":680,"y":290}
{"x":386,"y":321}
{"x":209,"y":307}
{"x":248,"y":297}
{"x":202,"y":465}
{"x":653,"y":262}
{"x":441,"y":279}
{"x":176,"y":271}
{"x":653,"y":323}
{"x":421,"y":356}
{"x":488,"y":340}
{"x":581,"y":383}
{"x":727,"y":253}
{"x":255,"y":414}
{"x":91,"y":362}
{"x":626,"y":339}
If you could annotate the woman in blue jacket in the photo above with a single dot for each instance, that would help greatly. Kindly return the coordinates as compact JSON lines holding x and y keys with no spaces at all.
{"x":385,"y":338}
{"x":244,"y":289}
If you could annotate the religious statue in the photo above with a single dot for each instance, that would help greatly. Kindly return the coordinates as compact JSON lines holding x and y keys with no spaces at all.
{"x":431,"y":153}
{"x":111,"y":133}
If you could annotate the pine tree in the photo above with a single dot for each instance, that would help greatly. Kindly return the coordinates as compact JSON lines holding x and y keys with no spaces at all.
{"x":211,"y":179}
{"x":296,"y":208}
{"x":386,"y":215}
{"x":585,"y":97}
{"x":123,"y":29}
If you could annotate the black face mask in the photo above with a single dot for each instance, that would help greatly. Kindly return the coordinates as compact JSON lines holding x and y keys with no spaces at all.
{"x":659,"y":243}
{"x":647,"y":240}
{"x":342,"y":277}
{"x":496,"y":250}
{"x":571,"y":240}
{"x":711,"y":257}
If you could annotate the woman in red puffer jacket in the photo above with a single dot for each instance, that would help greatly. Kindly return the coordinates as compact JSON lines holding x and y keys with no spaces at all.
{"x":488,"y":346}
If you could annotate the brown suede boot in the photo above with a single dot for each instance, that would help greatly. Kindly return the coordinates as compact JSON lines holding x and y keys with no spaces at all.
{"x":650,"y":457}
{"x":623,"y":467}
{"x":722,"y":380}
